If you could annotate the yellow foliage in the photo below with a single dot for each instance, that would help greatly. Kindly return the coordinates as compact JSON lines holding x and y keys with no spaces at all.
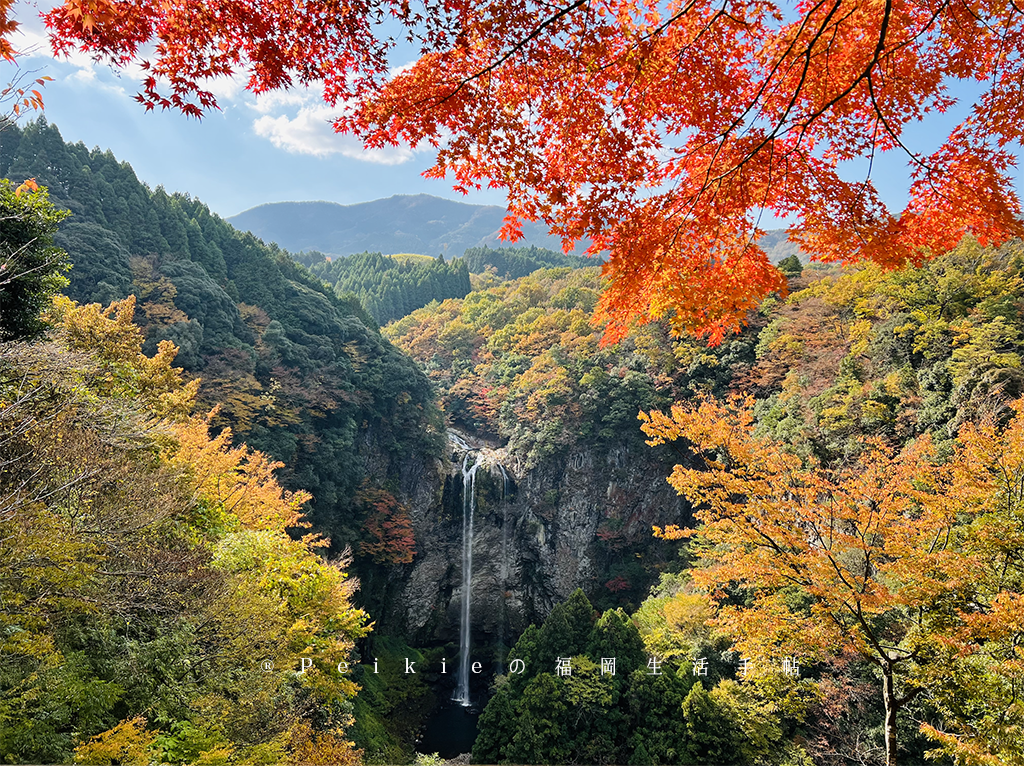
{"x":110,"y":335}
{"x":329,"y":748}
{"x":120,"y":503}
{"x":689,"y":615}
{"x":220,"y":755}
{"x":236,"y":479}
{"x":127,"y":744}
{"x":906,"y":560}
{"x":156,"y":292}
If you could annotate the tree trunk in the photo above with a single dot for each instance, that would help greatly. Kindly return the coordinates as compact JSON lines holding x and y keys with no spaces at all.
{"x":891,"y":708}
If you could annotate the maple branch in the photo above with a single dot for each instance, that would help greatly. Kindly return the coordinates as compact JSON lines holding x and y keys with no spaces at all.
{"x":894,"y":134}
{"x":805,"y":123}
{"x":565,"y":11}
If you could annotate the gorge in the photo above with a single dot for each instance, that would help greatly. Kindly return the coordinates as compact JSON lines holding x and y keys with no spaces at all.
{"x":305,"y":377}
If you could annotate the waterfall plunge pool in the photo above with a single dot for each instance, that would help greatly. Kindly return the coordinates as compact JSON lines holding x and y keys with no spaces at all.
{"x":450,"y":731}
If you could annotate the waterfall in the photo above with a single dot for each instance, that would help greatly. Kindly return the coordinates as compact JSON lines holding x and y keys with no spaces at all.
{"x":468,"y":506}
{"x":504,"y":482}
{"x":473,"y":459}
{"x":503,"y":572}
{"x":458,"y":441}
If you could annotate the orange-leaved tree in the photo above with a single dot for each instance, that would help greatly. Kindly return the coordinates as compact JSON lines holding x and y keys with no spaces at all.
{"x":655,"y":129}
{"x":978,"y":681}
{"x":908,"y":561}
{"x":388,"y":527}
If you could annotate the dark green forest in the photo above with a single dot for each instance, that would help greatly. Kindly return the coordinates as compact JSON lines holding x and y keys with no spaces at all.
{"x":569,"y":704}
{"x":391,"y":287}
{"x":515,"y":262}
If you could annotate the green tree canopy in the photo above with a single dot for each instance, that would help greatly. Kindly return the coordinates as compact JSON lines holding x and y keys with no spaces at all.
{"x":31,"y":267}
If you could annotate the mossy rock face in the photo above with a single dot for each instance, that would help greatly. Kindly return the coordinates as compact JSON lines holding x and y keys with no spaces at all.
{"x":490,"y":489}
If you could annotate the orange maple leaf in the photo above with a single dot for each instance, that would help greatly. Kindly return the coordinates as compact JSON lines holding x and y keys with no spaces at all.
{"x":28,"y":185}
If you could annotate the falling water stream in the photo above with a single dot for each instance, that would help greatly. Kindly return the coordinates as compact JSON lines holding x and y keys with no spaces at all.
{"x":503,"y":572}
{"x":468,"y":507}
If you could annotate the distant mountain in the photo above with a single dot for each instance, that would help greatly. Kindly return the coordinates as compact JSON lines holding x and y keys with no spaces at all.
{"x":410,"y":223}
{"x":778,"y":247}
{"x":405,"y":223}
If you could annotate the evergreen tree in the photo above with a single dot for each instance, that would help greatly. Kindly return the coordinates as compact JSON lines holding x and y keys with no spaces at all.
{"x":541,"y":731}
{"x":791,"y":266}
{"x":496,"y":727}
{"x":655,"y":704}
{"x":31,"y":267}
{"x":392,"y":287}
{"x":616,"y":636}
{"x":711,"y":735}
{"x":566,"y":631}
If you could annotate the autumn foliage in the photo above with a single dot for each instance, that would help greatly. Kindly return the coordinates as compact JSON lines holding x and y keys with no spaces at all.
{"x":148,"y":577}
{"x":656,"y":130}
{"x":910,"y":561}
{"x":387,"y":528}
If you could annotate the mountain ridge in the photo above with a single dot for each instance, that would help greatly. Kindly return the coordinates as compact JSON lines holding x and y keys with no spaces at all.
{"x":410,"y":223}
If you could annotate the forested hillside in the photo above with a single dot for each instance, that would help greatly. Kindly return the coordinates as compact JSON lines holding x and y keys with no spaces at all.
{"x":848,"y":587}
{"x":294,"y":371}
{"x":148,"y":579}
{"x":892,"y":355}
{"x":522,"y":361}
{"x":709,"y":507}
{"x":390,"y":288}
{"x":515,"y":262}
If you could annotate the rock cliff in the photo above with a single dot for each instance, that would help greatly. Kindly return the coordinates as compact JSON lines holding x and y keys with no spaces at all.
{"x":582,"y":520}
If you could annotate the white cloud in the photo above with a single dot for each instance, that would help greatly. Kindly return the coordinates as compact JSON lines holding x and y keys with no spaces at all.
{"x":295,"y":120}
{"x":397,"y":70}
{"x":278,"y":100}
{"x":310,"y":132}
{"x":226,"y":89}
{"x":31,"y":40}
{"x":84,"y":76}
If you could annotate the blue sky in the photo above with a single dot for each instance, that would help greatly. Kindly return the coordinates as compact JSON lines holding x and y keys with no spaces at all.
{"x":253,"y":151}
{"x":280,"y":147}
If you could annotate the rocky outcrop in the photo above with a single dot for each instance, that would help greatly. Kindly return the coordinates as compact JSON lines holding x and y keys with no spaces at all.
{"x":583,"y":520}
